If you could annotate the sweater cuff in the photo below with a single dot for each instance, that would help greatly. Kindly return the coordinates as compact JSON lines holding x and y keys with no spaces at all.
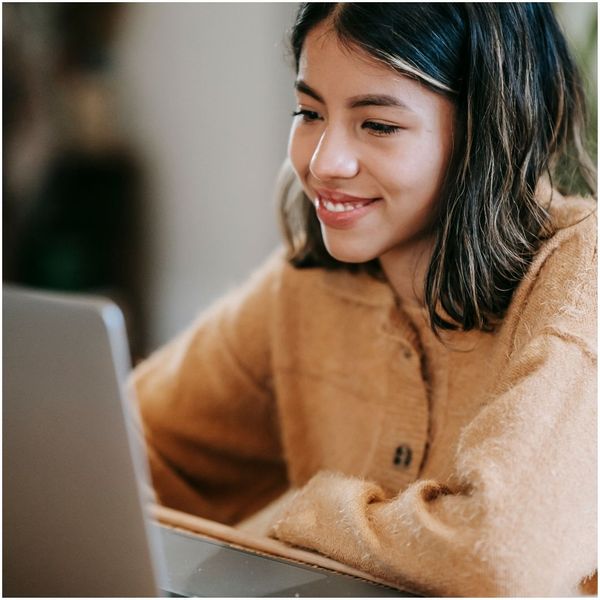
{"x":325,"y":515}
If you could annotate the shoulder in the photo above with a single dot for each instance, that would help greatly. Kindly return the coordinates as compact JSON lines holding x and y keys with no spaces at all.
{"x":570,"y":251}
{"x":559,"y":291}
{"x":574,"y":222}
{"x":569,"y":255}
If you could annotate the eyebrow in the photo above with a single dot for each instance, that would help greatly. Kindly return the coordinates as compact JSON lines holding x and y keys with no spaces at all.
{"x":356,"y":101}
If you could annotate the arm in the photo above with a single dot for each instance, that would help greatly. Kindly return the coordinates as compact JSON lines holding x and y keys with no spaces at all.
{"x":208,"y":413}
{"x":519,"y":517}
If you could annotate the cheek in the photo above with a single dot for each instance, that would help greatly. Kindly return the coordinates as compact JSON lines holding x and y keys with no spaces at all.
{"x":421,"y":165}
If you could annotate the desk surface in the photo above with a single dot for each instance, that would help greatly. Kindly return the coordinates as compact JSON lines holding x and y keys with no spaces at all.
{"x":203,"y":568}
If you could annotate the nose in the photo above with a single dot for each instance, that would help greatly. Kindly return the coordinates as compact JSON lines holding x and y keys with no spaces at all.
{"x":333,"y":157}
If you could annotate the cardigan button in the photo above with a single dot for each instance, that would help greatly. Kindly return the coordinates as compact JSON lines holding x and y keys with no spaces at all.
{"x":403,"y":456}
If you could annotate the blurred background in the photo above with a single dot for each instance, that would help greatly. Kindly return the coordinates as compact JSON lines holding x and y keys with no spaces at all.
{"x":141,"y":144}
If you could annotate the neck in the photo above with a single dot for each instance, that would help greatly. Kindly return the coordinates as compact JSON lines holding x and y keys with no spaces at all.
{"x":405,"y":268}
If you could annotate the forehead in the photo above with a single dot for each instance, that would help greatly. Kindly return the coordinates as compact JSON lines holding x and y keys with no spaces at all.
{"x":335,"y":69}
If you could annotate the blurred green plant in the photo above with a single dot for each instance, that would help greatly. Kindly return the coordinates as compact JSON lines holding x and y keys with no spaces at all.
{"x":580,"y":24}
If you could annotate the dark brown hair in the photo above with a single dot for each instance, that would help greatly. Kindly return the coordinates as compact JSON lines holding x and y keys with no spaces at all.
{"x":520,"y":109}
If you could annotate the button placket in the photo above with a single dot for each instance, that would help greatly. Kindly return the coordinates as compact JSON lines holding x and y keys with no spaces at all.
{"x":402,"y":440}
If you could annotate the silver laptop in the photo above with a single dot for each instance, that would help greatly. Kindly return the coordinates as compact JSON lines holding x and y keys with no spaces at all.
{"x":75,"y":475}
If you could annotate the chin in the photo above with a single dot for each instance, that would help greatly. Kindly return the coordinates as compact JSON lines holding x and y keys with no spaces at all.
{"x":349,"y":253}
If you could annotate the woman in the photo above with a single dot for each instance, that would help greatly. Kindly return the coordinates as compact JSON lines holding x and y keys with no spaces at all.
{"x":420,"y":367}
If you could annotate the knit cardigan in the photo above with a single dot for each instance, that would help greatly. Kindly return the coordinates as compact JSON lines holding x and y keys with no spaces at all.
{"x":462,"y":466}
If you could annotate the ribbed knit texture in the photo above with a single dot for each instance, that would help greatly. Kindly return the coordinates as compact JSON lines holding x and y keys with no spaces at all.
{"x":462,"y":467}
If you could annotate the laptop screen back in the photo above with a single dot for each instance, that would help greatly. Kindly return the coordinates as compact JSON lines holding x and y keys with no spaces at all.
{"x":72,"y":518}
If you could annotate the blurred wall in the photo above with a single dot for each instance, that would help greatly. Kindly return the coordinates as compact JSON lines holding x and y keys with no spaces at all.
{"x":206,"y":95}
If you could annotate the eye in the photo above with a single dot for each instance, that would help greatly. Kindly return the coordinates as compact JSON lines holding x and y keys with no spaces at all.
{"x":380,"y":128}
{"x":307,"y":115}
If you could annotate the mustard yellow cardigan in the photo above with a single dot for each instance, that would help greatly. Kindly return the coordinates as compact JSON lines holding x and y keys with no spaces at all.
{"x":458,"y":467}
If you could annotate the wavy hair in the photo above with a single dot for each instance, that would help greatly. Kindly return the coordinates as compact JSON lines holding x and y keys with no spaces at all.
{"x":520,"y":110}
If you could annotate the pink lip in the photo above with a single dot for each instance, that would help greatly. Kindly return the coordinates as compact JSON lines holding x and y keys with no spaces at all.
{"x":337,"y":196}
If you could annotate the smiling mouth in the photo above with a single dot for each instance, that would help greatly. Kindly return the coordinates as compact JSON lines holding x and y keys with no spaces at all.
{"x":341,"y":211}
{"x":332,"y":206}
{"x":336,"y":201}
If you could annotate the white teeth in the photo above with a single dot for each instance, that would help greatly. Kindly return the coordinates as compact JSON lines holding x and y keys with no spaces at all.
{"x":340,"y":206}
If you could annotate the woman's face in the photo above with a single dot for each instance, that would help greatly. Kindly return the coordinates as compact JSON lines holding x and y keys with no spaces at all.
{"x":371,"y":148}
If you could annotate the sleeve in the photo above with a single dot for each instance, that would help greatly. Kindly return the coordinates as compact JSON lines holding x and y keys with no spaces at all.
{"x":207,"y":410}
{"x":520,"y":517}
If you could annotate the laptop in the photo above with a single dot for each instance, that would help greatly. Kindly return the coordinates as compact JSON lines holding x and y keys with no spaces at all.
{"x":75,"y":477}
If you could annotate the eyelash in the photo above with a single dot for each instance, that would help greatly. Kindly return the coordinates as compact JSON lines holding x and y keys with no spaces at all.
{"x":307,"y":115}
{"x":380,"y":129}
